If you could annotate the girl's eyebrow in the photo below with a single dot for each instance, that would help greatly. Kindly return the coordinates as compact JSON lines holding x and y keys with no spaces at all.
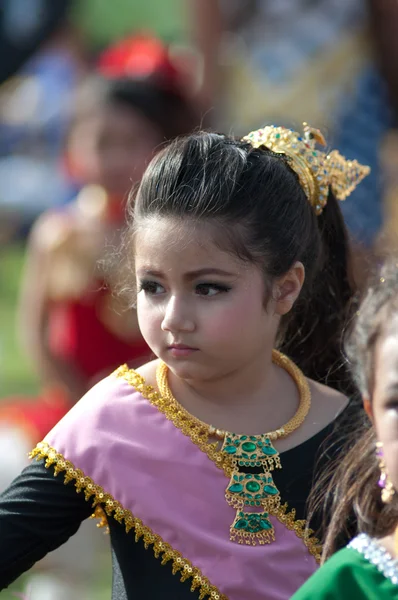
{"x":149,"y":272}
{"x":208,"y":271}
{"x":190,"y":274}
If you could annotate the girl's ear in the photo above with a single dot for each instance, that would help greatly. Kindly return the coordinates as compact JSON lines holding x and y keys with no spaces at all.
{"x":288,"y":288}
{"x":368,"y":408}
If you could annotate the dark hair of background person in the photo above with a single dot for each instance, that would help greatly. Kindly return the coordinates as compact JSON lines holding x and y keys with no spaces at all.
{"x":164,"y":106}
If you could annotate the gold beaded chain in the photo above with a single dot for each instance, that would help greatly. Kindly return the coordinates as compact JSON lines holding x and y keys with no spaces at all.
{"x":252,"y":458}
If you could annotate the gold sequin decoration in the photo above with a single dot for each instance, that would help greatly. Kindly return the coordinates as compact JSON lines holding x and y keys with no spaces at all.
{"x":199,"y":435}
{"x":317,"y":170}
{"x":112,"y":507}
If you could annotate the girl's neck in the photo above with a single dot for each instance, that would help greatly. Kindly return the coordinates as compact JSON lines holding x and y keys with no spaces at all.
{"x":390,"y":543}
{"x":255,"y":398}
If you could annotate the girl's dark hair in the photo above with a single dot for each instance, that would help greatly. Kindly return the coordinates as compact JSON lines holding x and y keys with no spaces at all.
{"x":352,"y":494}
{"x":263,"y":216}
{"x":164,"y":106}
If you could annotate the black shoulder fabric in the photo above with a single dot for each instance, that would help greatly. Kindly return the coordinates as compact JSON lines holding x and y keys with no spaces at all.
{"x":137,"y":573}
{"x":38,"y":513}
{"x":302,"y":466}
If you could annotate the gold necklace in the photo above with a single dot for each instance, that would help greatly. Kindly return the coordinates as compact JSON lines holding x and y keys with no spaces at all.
{"x":252,"y":458}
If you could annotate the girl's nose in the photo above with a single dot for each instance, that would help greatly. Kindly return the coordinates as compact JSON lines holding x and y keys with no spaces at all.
{"x":177,"y":316}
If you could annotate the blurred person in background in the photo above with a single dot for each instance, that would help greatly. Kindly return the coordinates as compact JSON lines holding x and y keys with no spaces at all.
{"x":69,"y":322}
{"x":35,"y":108}
{"x":23,"y":31}
{"x":331,"y":61}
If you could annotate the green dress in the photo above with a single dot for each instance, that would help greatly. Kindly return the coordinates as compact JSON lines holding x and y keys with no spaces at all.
{"x":362,"y":570}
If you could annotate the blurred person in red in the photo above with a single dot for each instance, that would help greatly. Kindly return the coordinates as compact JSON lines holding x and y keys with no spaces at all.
{"x":69,"y":322}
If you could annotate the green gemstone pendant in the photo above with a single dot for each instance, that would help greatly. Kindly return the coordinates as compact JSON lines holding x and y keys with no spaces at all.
{"x":248,"y":489}
{"x":252,"y":450}
{"x":252,"y":529}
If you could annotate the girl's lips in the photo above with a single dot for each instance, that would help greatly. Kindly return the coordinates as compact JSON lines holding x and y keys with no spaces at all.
{"x":179,"y":350}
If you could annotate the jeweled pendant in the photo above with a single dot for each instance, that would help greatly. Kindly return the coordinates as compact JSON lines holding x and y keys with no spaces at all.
{"x":247,"y":489}
{"x":252,"y":529}
{"x":251,"y":451}
{"x":252,"y":490}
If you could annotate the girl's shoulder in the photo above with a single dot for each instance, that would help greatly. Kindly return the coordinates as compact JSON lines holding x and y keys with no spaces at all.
{"x":327,"y":406}
{"x":52,"y":229}
{"x":327,"y":403}
{"x":61,"y":225}
{"x":115,"y":404}
{"x":148,"y":372}
{"x":362,"y":570}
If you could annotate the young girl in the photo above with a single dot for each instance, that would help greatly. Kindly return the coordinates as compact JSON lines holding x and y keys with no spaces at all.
{"x":367,"y":477}
{"x":232,"y":247}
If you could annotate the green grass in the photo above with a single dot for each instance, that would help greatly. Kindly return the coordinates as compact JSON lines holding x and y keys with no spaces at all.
{"x":16,"y":374}
{"x":101,"y":21}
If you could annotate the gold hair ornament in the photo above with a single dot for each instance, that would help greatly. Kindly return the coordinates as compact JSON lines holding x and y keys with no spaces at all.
{"x":316,"y":170}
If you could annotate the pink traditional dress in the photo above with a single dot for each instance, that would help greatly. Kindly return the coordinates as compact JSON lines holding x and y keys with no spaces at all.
{"x":162,"y":486}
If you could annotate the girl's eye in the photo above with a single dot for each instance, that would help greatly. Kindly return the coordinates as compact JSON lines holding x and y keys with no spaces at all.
{"x":152,"y":288}
{"x":211,"y":289}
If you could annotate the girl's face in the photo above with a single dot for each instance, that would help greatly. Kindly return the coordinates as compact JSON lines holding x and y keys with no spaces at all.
{"x":385,"y":399}
{"x":113,"y":147}
{"x":200,"y":309}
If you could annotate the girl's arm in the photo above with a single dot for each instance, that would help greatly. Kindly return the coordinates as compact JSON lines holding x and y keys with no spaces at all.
{"x":33,"y":311}
{"x":38,"y":513}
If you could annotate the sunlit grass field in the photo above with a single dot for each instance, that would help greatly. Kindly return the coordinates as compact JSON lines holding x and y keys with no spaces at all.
{"x":16,"y":373}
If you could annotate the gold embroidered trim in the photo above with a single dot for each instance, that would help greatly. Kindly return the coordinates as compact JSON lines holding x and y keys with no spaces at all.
{"x":199,"y":437}
{"x":299,"y":526}
{"x":112,"y":507}
{"x":177,"y":417}
{"x":102,"y":518}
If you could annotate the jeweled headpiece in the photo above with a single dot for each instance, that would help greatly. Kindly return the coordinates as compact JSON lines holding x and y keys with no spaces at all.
{"x":316,"y":170}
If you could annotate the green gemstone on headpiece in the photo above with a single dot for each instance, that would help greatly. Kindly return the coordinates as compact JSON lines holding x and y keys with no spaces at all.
{"x":230,"y":449}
